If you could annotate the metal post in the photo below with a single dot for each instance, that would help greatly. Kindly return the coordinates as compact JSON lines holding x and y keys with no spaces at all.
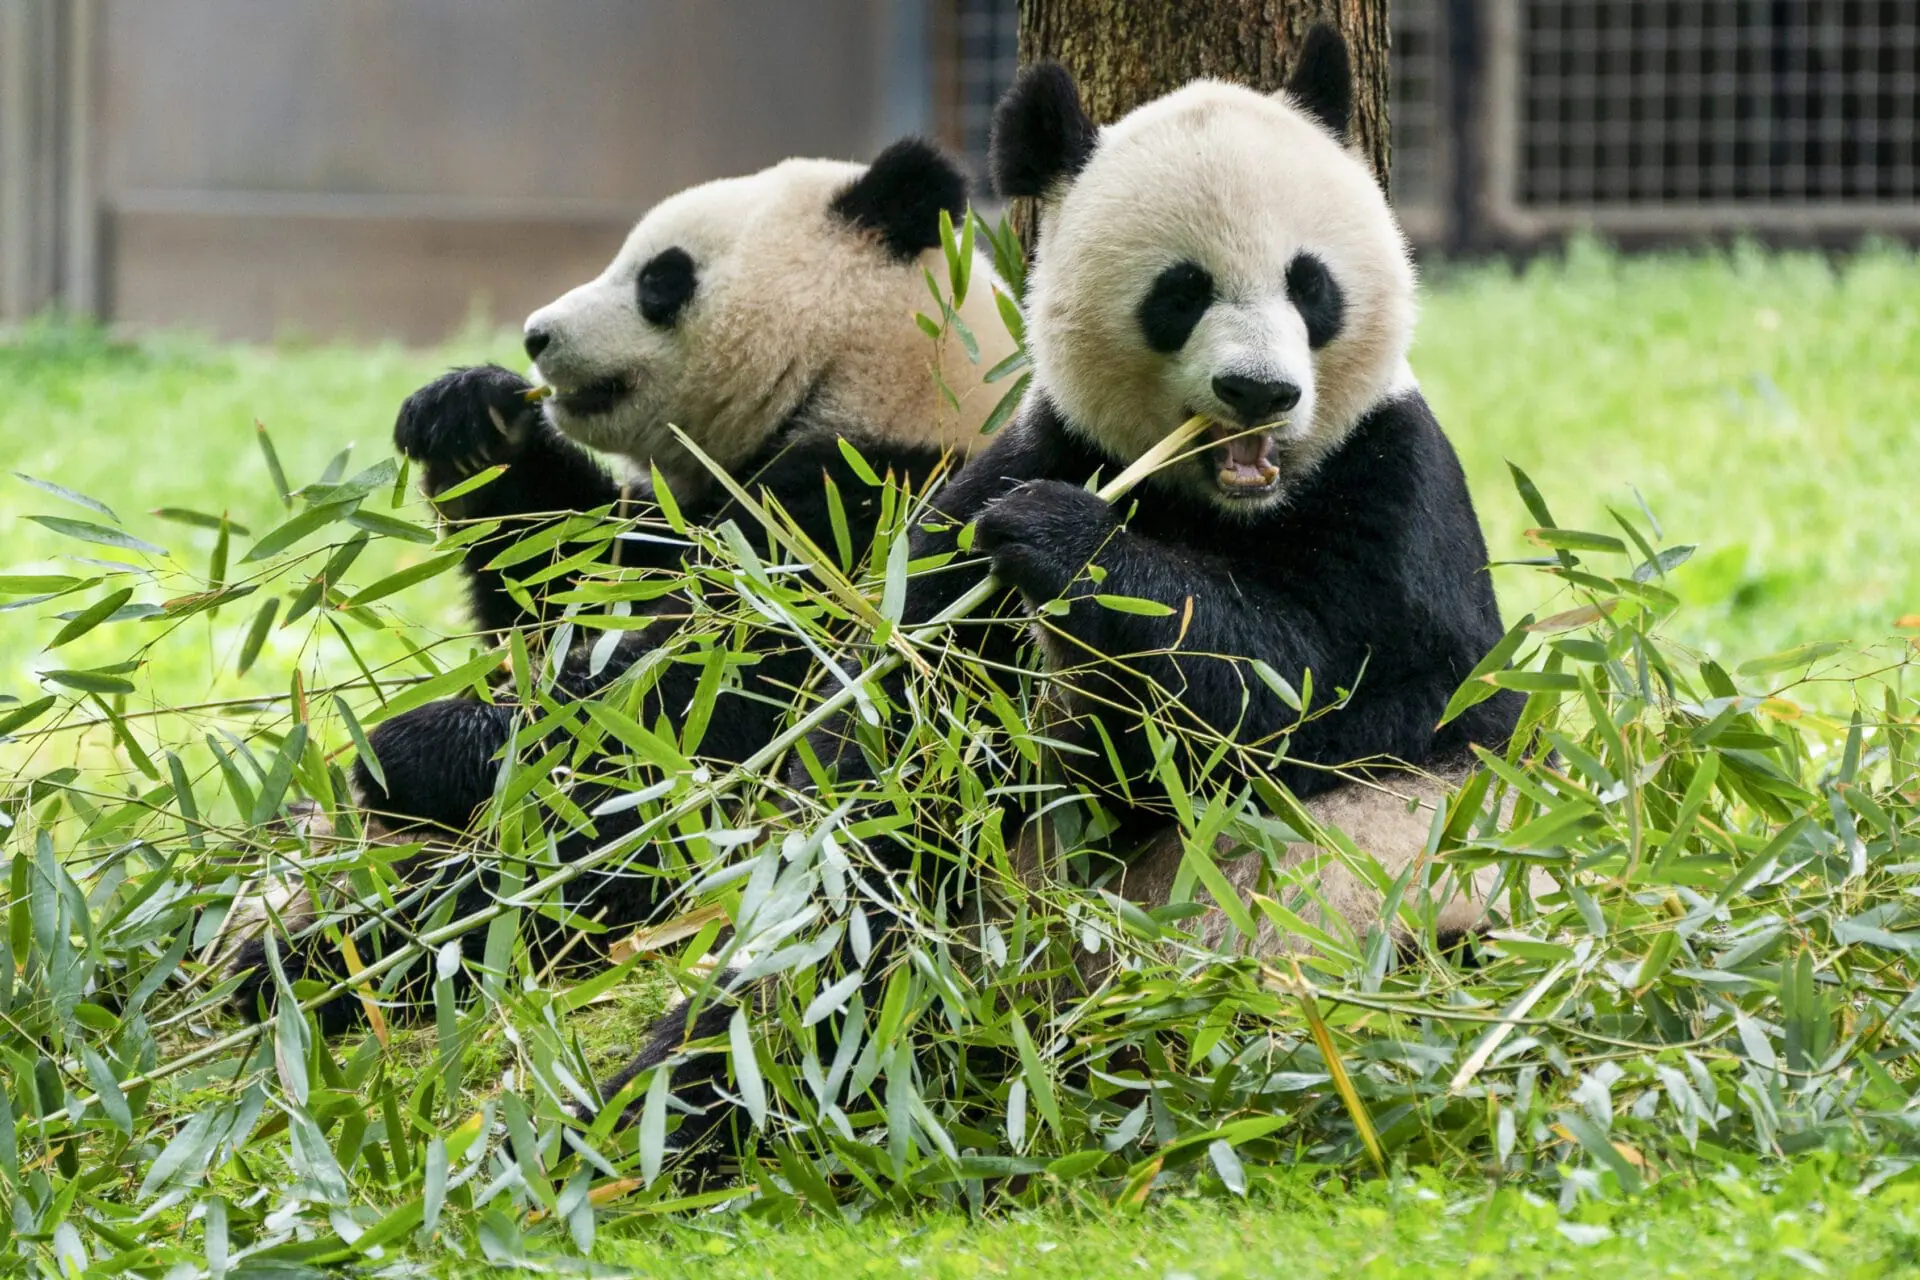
{"x":80,"y":284}
{"x":16,"y":114}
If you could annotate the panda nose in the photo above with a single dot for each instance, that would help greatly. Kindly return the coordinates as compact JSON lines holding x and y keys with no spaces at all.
{"x":1255,"y":401}
{"x":537,"y":341}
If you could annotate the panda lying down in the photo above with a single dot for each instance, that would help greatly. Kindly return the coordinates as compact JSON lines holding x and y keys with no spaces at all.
{"x":1217,"y":252}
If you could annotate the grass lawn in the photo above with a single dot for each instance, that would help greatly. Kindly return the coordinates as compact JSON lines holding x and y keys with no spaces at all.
{"x":1804,"y":1223}
{"x":1763,"y":406}
{"x":1766,"y":407}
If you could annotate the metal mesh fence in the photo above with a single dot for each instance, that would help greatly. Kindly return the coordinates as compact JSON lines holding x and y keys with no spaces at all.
{"x":979,"y":55}
{"x":1648,"y":102}
{"x":984,"y":45}
{"x":1646,"y":117}
{"x":1422,"y":179}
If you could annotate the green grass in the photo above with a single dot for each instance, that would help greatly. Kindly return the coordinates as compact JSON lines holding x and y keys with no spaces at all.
{"x":1803,"y":1223}
{"x":170,"y":422}
{"x":1767,"y":407}
{"x":1764,"y":406}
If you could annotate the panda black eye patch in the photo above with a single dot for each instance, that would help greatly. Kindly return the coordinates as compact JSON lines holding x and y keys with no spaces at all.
{"x":666,"y":283}
{"x":1317,"y":297}
{"x":1180,"y":296}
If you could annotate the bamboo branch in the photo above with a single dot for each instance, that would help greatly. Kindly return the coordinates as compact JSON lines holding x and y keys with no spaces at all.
{"x":747,"y":771}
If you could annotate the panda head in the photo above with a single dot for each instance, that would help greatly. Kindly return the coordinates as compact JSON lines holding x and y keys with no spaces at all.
{"x":744,"y":306}
{"x":1217,"y":251}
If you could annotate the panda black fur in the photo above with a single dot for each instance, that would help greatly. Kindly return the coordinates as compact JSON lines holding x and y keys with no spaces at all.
{"x":1216,"y":252}
{"x":768,"y":316}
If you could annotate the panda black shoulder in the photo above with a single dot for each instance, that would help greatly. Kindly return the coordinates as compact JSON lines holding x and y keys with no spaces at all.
{"x":1396,"y":460}
{"x":793,"y":464}
{"x":1036,"y":445}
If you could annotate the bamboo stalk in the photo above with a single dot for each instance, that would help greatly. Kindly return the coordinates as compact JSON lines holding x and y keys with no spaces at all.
{"x":748,"y":770}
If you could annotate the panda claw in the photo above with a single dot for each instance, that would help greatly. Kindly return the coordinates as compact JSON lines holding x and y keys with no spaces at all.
{"x":466,"y":421}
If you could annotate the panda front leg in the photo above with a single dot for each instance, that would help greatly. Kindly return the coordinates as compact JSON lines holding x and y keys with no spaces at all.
{"x":471,"y":419}
{"x":1042,"y":539}
{"x":438,"y":768}
{"x":713,"y":1131}
{"x":434,"y":766}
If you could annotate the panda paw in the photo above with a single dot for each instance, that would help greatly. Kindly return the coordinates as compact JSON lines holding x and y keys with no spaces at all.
{"x":466,"y":421}
{"x":1040,"y":536}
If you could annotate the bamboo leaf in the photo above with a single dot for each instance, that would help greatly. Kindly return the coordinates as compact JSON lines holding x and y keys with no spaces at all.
{"x":1535,"y":681}
{"x":433,"y":1192}
{"x":401,"y":579}
{"x":653,"y":1127}
{"x":45,"y":585}
{"x":1227,"y":1164}
{"x":746,"y":1070}
{"x":1039,"y":1083}
{"x":92,"y":616}
{"x":389,"y":526}
{"x":107,"y":1086}
{"x":478,"y":480}
{"x":1799,"y":657}
{"x":87,"y":531}
{"x":361,"y":746}
{"x":97,"y":680}
{"x":275,"y":471}
{"x":1342,"y":1082}
{"x":1009,"y":404}
{"x":61,"y":491}
{"x":257,"y":633}
{"x":199,"y":519}
{"x":310,"y":521}
{"x":26,"y":714}
{"x":1576,"y":540}
{"x":1134,"y":605}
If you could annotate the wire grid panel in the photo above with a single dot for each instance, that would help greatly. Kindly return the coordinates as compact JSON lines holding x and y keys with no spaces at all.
{"x":1699,"y":113}
{"x":986,"y":55}
{"x":1417,"y":112}
{"x":981,"y":55}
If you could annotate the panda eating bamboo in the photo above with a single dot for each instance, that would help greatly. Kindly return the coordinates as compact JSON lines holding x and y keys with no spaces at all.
{"x":1223,"y":253}
{"x":769,"y":317}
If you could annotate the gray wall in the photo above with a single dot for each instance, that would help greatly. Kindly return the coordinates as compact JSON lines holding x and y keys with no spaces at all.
{"x":386,"y":167}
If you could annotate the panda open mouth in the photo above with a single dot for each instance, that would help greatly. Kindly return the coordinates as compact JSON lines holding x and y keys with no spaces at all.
{"x":602,"y":396}
{"x":1243,"y":460}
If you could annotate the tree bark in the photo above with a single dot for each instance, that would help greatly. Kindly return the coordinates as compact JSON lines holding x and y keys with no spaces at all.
{"x":1125,"y":52}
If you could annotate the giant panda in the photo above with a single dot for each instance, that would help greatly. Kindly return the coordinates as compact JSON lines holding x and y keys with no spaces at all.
{"x":1217,"y":252}
{"x":770,"y":317}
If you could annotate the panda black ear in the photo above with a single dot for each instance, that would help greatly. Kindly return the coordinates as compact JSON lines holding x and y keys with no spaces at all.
{"x":1322,"y":84}
{"x":1041,"y":133}
{"x":901,"y":194}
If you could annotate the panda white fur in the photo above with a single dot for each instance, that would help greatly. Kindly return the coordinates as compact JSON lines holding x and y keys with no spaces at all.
{"x":1217,"y":252}
{"x":769,"y":317}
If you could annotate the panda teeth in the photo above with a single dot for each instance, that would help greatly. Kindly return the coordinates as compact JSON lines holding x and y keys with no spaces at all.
{"x":1244,"y":462}
{"x":1248,"y":478}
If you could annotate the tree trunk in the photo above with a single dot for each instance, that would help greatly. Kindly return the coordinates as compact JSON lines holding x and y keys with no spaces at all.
{"x":1124,"y":52}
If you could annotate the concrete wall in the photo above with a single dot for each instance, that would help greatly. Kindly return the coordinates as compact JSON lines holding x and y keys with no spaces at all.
{"x":378,"y":168}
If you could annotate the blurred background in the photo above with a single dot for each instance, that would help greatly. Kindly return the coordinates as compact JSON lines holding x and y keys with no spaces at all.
{"x":399,"y":169}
